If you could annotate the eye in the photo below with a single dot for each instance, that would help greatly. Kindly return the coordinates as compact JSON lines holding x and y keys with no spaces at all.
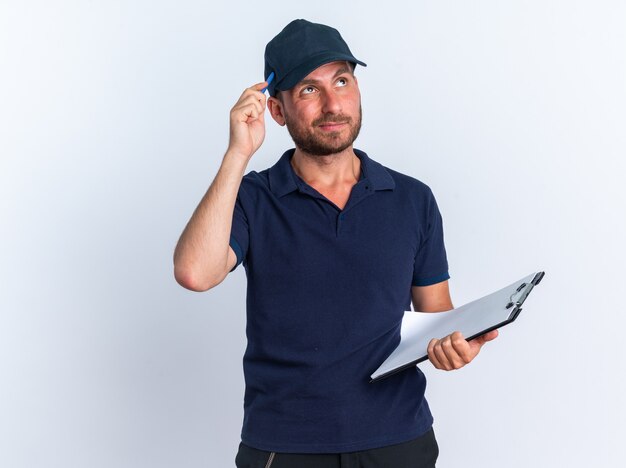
{"x":308,"y":90}
{"x":342,"y":82}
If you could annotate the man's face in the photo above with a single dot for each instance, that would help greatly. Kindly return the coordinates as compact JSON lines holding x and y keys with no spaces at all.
{"x":323,"y":111}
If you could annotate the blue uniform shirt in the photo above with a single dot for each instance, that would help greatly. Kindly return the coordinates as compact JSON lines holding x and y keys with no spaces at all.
{"x":327,"y":289}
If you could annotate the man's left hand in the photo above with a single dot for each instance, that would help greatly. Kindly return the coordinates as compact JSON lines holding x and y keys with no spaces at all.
{"x":454,"y":351}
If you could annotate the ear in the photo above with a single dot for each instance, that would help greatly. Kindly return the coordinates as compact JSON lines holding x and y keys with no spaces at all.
{"x":276,"y":110}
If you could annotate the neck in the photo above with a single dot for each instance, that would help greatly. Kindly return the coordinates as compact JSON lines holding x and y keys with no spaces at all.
{"x":327,"y":171}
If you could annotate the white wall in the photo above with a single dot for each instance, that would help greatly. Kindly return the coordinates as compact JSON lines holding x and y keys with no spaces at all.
{"x":113,"y":121}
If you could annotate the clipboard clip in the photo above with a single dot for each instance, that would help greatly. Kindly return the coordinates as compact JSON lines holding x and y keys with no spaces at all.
{"x":525,"y":290}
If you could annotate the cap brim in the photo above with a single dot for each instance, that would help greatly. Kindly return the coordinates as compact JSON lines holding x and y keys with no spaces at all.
{"x":300,"y":72}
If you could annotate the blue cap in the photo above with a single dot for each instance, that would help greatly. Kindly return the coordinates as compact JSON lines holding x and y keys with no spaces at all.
{"x":300,"y":48}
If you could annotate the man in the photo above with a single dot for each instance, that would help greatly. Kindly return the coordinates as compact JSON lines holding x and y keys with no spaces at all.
{"x":335,"y":247}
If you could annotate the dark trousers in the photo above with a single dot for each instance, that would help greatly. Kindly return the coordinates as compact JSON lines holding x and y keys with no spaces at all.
{"x":417,"y":453}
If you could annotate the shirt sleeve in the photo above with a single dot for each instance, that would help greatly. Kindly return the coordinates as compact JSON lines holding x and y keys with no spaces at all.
{"x":239,"y":234}
{"x":431,"y":263}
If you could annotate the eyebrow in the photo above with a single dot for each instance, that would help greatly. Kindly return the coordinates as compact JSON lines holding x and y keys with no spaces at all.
{"x":341,"y":71}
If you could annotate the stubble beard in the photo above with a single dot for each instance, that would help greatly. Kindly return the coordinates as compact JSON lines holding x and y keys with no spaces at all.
{"x":325,"y":144}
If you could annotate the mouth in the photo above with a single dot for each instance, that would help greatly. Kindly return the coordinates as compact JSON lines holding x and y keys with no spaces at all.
{"x":332,"y":126}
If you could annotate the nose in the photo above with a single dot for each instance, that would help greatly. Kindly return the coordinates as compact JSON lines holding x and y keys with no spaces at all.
{"x":331,"y":103}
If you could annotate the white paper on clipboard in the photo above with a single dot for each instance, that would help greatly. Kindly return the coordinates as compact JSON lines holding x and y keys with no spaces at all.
{"x":472,"y":320}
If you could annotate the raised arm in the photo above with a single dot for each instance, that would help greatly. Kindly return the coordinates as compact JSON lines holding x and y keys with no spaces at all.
{"x":203,"y":256}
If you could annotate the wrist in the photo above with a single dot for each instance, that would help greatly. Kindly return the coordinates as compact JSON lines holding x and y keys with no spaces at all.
{"x":238,"y":152}
{"x":236,"y":158}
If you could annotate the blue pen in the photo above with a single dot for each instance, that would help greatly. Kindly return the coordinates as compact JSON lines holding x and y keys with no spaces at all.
{"x":269,"y":80}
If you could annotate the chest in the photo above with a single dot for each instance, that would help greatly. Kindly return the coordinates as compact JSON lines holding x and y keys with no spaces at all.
{"x":333,"y":239}
{"x":338,"y":196}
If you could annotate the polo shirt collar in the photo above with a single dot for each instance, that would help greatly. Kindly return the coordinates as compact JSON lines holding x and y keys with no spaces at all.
{"x":377,"y":174}
{"x":282,"y":178}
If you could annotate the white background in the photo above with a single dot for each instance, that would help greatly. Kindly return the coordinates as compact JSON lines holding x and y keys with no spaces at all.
{"x":113,"y":121}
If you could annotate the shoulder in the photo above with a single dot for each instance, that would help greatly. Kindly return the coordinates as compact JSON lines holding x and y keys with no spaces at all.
{"x":254,"y":178}
{"x":406,"y":186}
{"x":254,"y":182}
{"x":399,"y":181}
{"x":409,"y":193}
{"x":408,"y":183}
{"x":277,"y":178}
{"x":417,"y":195}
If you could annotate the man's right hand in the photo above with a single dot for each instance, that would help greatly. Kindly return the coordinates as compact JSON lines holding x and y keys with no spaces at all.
{"x":247,"y":122}
{"x":203,"y":256}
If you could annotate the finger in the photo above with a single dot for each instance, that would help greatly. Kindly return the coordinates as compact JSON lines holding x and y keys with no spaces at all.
{"x":259,"y":86}
{"x":492,"y":335}
{"x":451,"y":353}
{"x":245,"y":113}
{"x":431,"y":354}
{"x":252,"y":113}
{"x":251,"y":96}
{"x":477,"y":344}
{"x":255,"y":100}
{"x":442,"y":356}
{"x":481,"y":340}
{"x":254,"y":88}
{"x":462,"y":348}
{"x":458,"y":350}
{"x":251,"y":110}
{"x":256,"y":94}
{"x":256,"y":91}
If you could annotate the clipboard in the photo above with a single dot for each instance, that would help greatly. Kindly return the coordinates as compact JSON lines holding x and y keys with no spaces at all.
{"x":472,"y":319}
